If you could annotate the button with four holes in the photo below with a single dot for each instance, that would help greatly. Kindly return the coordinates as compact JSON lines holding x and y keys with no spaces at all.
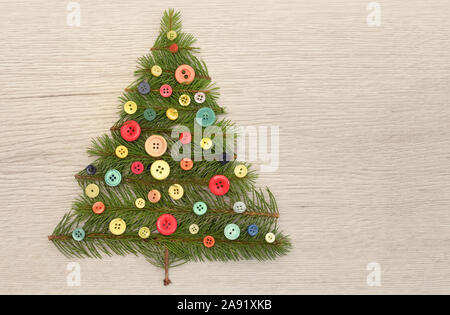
{"x":137,"y":167}
{"x":171,"y":35}
{"x":231,"y":231}
{"x":91,"y":169}
{"x":240,"y":170}
{"x":185,"y":137}
{"x":130,"y":107}
{"x":98,"y":207}
{"x":206,"y":143}
{"x":205,"y":117}
{"x":121,"y":151}
{"x":199,"y":97}
{"x":239,"y":207}
{"x":155,"y":145}
{"x":193,"y":228}
{"x":154,"y":196}
{"x":184,"y":74}
{"x":78,"y":234}
{"x":252,"y":229}
{"x":92,"y":190}
{"x":184,"y":100}
{"x":166,"y":224}
{"x":160,"y":169}
{"x":209,"y":241}
{"x":117,"y":226}
{"x":165,"y":90}
{"x":144,"y":87}
{"x":149,"y":114}
{"x":200,"y":208}
{"x":270,"y":237}
{"x":139,"y":203}
{"x":113,"y":178}
{"x":173,"y":48}
{"x":172,"y":113}
{"x":219,"y":185}
{"x":144,"y":232}
{"x":186,"y":164}
{"x":176,"y":191}
{"x":130,"y":130}
{"x":156,"y":70}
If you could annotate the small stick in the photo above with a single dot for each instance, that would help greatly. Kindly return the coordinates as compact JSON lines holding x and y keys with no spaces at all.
{"x":166,"y":268}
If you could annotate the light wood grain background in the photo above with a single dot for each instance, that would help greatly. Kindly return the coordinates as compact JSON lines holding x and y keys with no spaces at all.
{"x":363,"y":112}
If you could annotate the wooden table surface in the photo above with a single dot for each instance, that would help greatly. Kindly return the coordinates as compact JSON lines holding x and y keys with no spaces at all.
{"x":364,"y":173}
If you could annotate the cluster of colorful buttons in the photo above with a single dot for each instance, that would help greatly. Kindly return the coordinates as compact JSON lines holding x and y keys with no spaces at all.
{"x":193,"y":228}
{"x":231,"y":231}
{"x":155,"y":145}
{"x":199,"y":97}
{"x":200,"y":208}
{"x":113,"y":178}
{"x":171,"y":35}
{"x":186,"y":164}
{"x":184,"y":74}
{"x":173,"y":48}
{"x":154,"y":196}
{"x":209,"y":241}
{"x":130,"y":107}
{"x":185,"y":137}
{"x":165,"y":90}
{"x":137,"y":167}
{"x":156,"y":71}
{"x":240,"y":170}
{"x":166,"y":224}
{"x":252,"y":229}
{"x":92,"y":190}
{"x":78,"y":234}
{"x":140,"y":203}
{"x":239,"y":207}
{"x":184,"y":100}
{"x":160,"y":169}
{"x":219,"y":185}
{"x":91,"y":169}
{"x":98,"y":207}
{"x":149,"y":114}
{"x":117,"y":226}
{"x":121,"y":151}
{"x":144,"y":87}
{"x":130,"y":130}
{"x":172,"y":113}
{"x":144,"y":232}
{"x":176,"y":191}
{"x":270,"y":237}
{"x":206,"y":143}
{"x":205,"y":117}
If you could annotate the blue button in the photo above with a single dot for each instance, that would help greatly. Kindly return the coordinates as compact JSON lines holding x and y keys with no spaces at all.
{"x":78,"y":234}
{"x":144,"y":87}
{"x":90,"y":169}
{"x":252,"y":229}
{"x":205,"y":117}
{"x":200,"y":208}
{"x":113,"y":178}
{"x":149,"y":114}
{"x":232,"y":231}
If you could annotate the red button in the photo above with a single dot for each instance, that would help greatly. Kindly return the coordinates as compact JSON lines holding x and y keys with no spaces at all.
{"x":185,"y":137}
{"x":166,"y":224}
{"x":209,"y":241}
{"x":130,"y":130}
{"x":219,"y":185}
{"x":137,"y":167}
{"x":186,"y":164}
{"x":173,"y":48}
{"x":165,"y":90}
{"x":98,"y":207}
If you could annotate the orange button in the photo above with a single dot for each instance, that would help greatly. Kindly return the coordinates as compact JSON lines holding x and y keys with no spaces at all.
{"x":98,"y":207}
{"x":184,"y":74}
{"x":155,"y":145}
{"x":186,"y":164}
{"x":209,"y":241}
{"x":154,"y":196}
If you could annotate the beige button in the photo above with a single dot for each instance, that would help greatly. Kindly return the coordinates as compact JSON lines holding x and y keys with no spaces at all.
{"x":176,"y":191}
{"x":144,"y":232}
{"x":121,"y":151}
{"x":184,"y":100}
{"x":130,"y":107}
{"x":270,"y":237}
{"x":240,"y":170}
{"x":156,"y":70}
{"x":92,"y":190}
{"x":171,"y":35}
{"x":193,"y":228}
{"x":117,"y":226}
{"x":140,"y":203}
{"x":172,"y":113}
{"x":206,"y":143}
{"x":155,"y":145}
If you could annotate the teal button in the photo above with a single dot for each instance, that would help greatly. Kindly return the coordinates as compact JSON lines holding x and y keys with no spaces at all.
{"x":78,"y":234}
{"x":113,"y":178}
{"x":200,"y":208}
{"x":205,"y":117}
{"x":232,"y":231}
{"x":149,"y":114}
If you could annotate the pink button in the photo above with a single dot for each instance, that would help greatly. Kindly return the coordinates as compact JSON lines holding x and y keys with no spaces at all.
{"x":185,"y":137}
{"x":137,"y":167}
{"x":165,"y":90}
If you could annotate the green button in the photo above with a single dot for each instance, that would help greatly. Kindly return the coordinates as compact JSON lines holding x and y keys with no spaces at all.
{"x":78,"y":234}
{"x":113,"y":178}
{"x":200,"y":208}
{"x":149,"y":114}
{"x":232,"y":231}
{"x":205,"y":117}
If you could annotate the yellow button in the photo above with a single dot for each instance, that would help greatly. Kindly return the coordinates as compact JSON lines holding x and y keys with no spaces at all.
{"x":144,"y":232}
{"x":140,"y":203}
{"x":117,"y":226}
{"x":172,"y":113}
{"x":184,"y":100}
{"x":206,"y":143}
{"x":193,"y":228}
{"x":176,"y":191}
{"x":130,"y":107}
{"x":160,"y":169}
{"x":121,"y":151}
{"x":156,"y":70}
{"x":171,"y":35}
{"x":270,"y":237}
{"x":92,"y":190}
{"x":240,"y":170}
